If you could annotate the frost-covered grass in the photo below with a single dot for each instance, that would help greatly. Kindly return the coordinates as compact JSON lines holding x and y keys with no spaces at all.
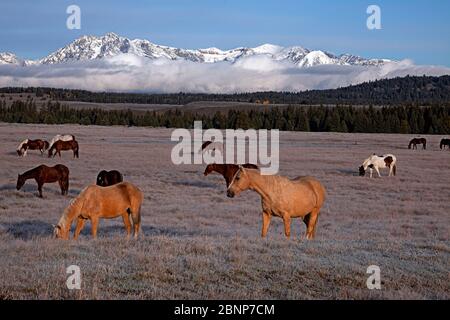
{"x":198,"y":244}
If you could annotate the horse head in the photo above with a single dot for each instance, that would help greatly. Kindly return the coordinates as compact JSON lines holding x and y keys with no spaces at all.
{"x":20,"y":181}
{"x":239,"y":182}
{"x":362,"y":172}
{"x":60,"y":233}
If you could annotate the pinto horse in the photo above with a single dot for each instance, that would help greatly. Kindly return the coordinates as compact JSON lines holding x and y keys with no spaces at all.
{"x":414,"y":142}
{"x":227,"y":170}
{"x":109,"y":178}
{"x":64,"y":145}
{"x":377,"y":162}
{"x":95,"y":202}
{"x":65,"y":137}
{"x":444,"y":142}
{"x":286,"y":198}
{"x":28,"y":144}
{"x":43,"y":174}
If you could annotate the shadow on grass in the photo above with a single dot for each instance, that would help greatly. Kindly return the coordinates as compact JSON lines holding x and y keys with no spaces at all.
{"x":27,"y":230}
{"x":198,"y":184}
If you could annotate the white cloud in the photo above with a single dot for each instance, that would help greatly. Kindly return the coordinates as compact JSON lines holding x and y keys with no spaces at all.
{"x":254,"y":73}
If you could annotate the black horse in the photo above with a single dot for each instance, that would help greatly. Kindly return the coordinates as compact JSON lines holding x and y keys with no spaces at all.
{"x":109,"y":178}
{"x":445,"y":142}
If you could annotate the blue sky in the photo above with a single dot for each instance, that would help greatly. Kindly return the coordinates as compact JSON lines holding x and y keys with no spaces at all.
{"x":414,"y":29}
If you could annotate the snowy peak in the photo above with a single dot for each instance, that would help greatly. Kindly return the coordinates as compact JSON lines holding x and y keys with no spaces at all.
{"x":112,"y":45}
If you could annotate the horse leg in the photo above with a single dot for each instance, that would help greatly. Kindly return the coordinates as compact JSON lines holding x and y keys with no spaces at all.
{"x":61,"y":186}
{"x":266,"y":223}
{"x":40,"y":184}
{"x":311,"y":229}
{"x":126,"y":222}
{"x":136,"y":222}
{"x":94,"y":226}
{"x":287,"y":225}
{"x":378,"y":171}
{"x":371,"y":172}
{"x":80,"y":225}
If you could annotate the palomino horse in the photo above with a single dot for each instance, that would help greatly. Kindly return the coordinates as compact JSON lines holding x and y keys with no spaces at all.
{"x":109,"y":178}
{"x":28,"y":144}
{"x":227,"y":170}
{"x":445,"y":142}
{"x":64,"y":145}
{"x":377,"y":162}
{"x":94,"y":202}
{"x":43,"y":174}
{"x":65,"y":137}
{"x":414,"y":142}
{"x":282,"y":197}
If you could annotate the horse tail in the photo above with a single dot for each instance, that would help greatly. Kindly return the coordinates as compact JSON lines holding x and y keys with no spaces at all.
{"x":46,"y":145}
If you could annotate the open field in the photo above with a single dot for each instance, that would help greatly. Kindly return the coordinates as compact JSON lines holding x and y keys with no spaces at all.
{"x":198,"y":244}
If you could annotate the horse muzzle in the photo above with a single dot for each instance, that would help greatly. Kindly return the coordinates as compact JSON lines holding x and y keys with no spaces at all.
{"x":230,"y":194}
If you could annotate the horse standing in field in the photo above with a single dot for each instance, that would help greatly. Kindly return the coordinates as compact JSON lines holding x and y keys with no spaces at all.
{"x":377,"y":162}
{"x":64,"y":145}
{"x":28,"y":144}
{"x":43,"y":174}
{"x":109,"y":178}
{"x":445,"y":142}
{"x":301,"y":197}
{"x":95,"y":202}
{"x":227,"y":170}
{"x":414,"y":142}
{"x":62,"y":137}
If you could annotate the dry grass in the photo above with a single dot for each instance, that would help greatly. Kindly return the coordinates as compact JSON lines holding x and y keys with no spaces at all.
{"x":198,"y":244}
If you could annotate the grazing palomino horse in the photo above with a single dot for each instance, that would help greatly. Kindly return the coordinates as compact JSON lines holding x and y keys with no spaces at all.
{"x":445,"y":142}
{"x":28,"y":144}
{"x":109,"y":178}
{"x":94,"y":202}
{"x":414,"y":142}
{"x":377,"y":162}
{"x":227,"y":170}
{"x":301,"y":197}
{"x":64,"y":145}
{"x":65,"y":137}
{"x":43,"y":174}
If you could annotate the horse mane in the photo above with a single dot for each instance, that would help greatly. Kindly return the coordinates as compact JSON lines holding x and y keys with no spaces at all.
{"x":74,"y":204}
{"x":21,"y":144}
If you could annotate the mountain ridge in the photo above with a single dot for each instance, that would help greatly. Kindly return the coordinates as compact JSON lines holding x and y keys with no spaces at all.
{"x":110,"y":45}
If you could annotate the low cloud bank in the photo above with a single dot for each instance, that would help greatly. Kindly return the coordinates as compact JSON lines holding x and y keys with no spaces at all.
{"x":130,"y":73}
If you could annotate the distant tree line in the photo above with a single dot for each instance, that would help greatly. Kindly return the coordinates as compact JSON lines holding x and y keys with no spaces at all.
{"x":419,"y":90}
{"x":397,"y":119}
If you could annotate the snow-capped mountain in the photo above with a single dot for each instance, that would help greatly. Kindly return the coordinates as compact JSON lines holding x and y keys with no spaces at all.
{"x":112,"y":45}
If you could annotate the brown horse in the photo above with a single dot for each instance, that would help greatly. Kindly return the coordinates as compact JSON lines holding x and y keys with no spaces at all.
{"x":94,"y":202}
{"x":444,"y":142}
{"x":282,"y":197}
{"x":414,"y":142}
{"x":43,"y":174}
{"x":28,"y":144}
{"x":64,"y":145}
{"x":109,"y":178}
{"x":227,"y":170}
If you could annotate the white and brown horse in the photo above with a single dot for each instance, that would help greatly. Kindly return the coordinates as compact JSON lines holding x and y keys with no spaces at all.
{"x":28,"y":144}
{"x":378,"y":162}
{"x":95,"y":202}
{"x":286,"y":198}
{"x":62,"y":137}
